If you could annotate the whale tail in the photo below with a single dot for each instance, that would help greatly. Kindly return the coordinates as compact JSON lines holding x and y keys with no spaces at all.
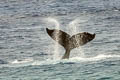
{"x":69,"y":42}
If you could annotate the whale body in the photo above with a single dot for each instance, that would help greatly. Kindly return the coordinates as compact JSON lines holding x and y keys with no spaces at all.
{"x":69,"y":42}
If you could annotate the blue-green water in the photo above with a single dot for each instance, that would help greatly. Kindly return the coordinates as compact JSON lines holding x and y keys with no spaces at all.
{"x":28,"y":53}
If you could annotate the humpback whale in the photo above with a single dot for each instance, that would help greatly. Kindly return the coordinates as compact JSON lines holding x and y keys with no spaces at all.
{"x":69,"y":42}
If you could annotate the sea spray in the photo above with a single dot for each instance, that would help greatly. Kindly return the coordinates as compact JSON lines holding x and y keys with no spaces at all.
{"x":56,"y":54}
{"x":74,"y":30}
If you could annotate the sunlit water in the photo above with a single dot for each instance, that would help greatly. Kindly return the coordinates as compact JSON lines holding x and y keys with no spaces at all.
{"x":28,"y":53}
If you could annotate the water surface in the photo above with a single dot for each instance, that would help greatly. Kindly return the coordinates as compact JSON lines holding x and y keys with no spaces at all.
{"x":28,"y":53}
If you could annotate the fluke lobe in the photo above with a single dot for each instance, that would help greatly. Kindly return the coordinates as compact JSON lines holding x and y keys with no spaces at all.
{"x":69,"y":42}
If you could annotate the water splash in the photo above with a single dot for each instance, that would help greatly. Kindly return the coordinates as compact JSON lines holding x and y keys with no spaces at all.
{"x":57,"y":26}
{"x":73,"y":26}
{"x":96,"y":58}
{"x":77,"y":60}
{"x":53,"y":21}
{"x":22,"y":61}
{"x":28,"y":62}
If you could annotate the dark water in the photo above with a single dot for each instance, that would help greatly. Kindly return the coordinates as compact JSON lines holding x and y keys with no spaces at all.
{"x":28,"y":53}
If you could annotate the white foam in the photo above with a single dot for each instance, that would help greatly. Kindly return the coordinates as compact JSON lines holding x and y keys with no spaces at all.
{"x":76,"y":59}
{"x":21,"y":61}
{"x":96,"y":58}
{"x":46,"y":62}
{"x":27,"y":62}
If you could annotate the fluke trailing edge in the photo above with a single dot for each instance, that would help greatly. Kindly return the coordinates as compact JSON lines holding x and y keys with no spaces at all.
{"x":69,"y":42}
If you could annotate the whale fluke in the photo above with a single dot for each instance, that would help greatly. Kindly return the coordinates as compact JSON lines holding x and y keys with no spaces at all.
{"x":69,"y":42}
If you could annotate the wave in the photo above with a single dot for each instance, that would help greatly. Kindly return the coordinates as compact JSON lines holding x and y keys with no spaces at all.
{"x":23,"y":28}
{"x":96,"y":58}
{"x":3,"y":62}
{"x":76,"y":59}
{"x":29,"y":61}
{"x":18,"y":63}
{"x":21,"y":61}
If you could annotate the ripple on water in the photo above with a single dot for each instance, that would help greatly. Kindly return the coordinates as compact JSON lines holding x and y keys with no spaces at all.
{"x":106,"y":78}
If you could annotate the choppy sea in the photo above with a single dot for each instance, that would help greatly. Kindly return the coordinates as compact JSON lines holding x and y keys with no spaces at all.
{"x":28,"y":53}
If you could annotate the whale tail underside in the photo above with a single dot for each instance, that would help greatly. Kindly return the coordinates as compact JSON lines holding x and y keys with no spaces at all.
{"x":69,"y":42}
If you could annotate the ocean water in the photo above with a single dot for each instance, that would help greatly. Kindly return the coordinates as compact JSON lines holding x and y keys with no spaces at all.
{"x":28,"y":53}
